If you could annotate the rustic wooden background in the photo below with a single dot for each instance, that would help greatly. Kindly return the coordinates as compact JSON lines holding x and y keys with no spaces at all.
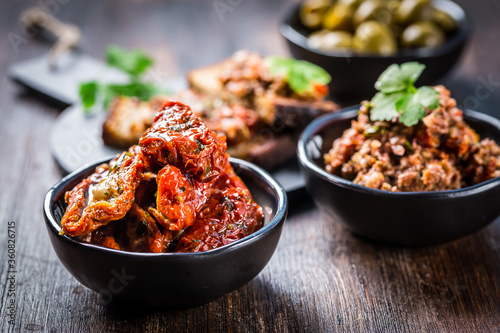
{"x":321,"y":278}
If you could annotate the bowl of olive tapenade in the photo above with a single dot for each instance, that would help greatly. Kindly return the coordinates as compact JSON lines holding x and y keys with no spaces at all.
{"x":356,"y":40}
{"x":173,"y":222}
{"x":407,"y":167}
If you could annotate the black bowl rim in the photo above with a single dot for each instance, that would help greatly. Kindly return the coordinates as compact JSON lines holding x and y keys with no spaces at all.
{"x":277,"y":218}
{"x":351,"y":112}
{"x":299,"y":39}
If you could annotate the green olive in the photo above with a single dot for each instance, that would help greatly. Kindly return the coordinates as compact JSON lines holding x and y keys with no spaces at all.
{"x":374,"y":38}
{"x":444,"y":20}
{"x":338,"y":17}
{"x":326,"y":40}
{"x":393,"y":5}
{"x":311,"y":12}
{"x":410,"y":11}
{"x":351,"y":3}
{"x":422,"y":34}
{"x":373,"y":10}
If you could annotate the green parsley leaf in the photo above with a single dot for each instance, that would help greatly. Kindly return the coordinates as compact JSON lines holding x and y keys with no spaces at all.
{"x":428,"y":97}
{"x":143,"y":91}
{"x":411,"y":110}
{"x":88,"y":94}
{"x":384,"y":106}
{"x":301,"y":75}
{"x":411,"y":71}
{"x":132,"y":62}
{"x":398,"y":97}
{"x":412,"y":106}
{"x":279,"y":66}
{"x":390,"y":80}
{"x":399,"y":78}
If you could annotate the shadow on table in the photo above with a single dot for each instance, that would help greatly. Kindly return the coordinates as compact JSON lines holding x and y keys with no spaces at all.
{"x":255,"y":307}
{"x":457,"y":282}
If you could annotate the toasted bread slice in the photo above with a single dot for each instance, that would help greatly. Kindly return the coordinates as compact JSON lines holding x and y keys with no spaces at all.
{"x":238,"y":97}
{"x":205,"y":80}
{"x":128,"y":118}
{"x":291,"y":113}
{"x":268,"y":151}
{"x":243,"y":80}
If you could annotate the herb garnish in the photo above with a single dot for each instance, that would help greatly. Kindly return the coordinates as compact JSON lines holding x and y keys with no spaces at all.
{"x":398,"y":96}
{"x":301,"y":75}
{"x":134,"y":64}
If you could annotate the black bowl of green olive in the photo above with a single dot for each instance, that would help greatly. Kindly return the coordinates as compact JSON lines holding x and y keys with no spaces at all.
{"x":355,"y":40}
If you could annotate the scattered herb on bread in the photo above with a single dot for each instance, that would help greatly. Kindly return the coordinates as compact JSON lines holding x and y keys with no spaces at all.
{"x":134,"y":63}
{"x":302,"y":76}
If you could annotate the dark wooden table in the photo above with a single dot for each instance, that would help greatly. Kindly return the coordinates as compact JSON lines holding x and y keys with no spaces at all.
{"x":322,"y":278}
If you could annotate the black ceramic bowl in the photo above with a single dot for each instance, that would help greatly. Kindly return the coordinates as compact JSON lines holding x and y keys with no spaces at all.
{"x":170,"y":280}
{"x":410,"y":218}
{"x":353,"y":75}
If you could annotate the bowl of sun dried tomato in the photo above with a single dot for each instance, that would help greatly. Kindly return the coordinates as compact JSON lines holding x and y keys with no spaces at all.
{"x":420,"y":173}
{"x":171,"y":223}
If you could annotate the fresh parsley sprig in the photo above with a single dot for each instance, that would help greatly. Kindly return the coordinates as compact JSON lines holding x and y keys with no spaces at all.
{"x":134,"y":63}
{"x":398,"y":96}
{"x":301,"y":75}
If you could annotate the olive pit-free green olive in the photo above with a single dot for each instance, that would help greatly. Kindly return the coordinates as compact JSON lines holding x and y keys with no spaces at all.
{"x":311,"y":12}
{"x":444,"y":20}
{"x":393,"y":5}
{"x":410,"y":11}
{"x":422,"y":34}
{"x":374,"y":38}
{"x":326,"y":40}
{"x":373,"y":10}
{"x":392,"y":24}
{"x":351,"y":3}
{"x":338,"y":17}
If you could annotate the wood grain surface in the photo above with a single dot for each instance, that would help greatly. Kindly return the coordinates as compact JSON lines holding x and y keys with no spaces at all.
{"x":322,"y":278}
